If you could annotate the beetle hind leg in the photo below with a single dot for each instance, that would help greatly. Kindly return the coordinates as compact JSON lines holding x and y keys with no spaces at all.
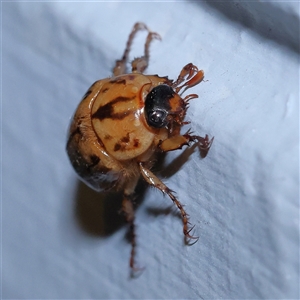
{"x":154,"y":181}
{"x":128,"y":210}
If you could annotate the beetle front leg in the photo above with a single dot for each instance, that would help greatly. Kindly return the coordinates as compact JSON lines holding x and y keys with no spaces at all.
{"x":190,"y":75}
{"x":156,"y":182}
{"x":178,"y":141}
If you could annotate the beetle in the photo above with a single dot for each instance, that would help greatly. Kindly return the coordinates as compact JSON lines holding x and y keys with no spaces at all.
{"x":124,"y":122}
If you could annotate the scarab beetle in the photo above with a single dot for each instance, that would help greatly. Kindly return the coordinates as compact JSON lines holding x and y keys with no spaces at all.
{"x":124,"y":122}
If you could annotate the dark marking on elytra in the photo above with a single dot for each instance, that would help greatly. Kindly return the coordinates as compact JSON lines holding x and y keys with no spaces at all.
{"x":75,"y":132}
{"x":131,"y":77}
{"x":136,"y":143}
{"x":94,"y":161}
{"x":104,"y":90}
{"x":123,"y":143}
{"x":87,"y":94}
{"x":89,"y":91}
{"x":119,"y":81}
{"x":107,"y":137}
{"x":125,"y":139}
{"x":117,"y":147}
{"x":107,"y":111}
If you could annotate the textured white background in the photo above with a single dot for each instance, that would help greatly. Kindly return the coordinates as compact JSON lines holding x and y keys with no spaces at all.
{"x":62,"y":241}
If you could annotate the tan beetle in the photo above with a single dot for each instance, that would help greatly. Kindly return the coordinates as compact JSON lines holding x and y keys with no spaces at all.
{"x":124,"y":122}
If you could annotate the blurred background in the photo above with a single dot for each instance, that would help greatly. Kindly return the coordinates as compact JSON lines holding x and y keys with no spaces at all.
{"x":60,"y":240}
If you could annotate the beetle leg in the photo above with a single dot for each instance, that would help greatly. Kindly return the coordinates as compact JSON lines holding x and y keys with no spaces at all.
{"x":156,"y":182}
{"x":120,"y":67}
{"x":190,"y":73}
{"x":187,"y":71}
{"x":128,"y":210}
{"x":178,"y":141}
{"x":140,"y":64}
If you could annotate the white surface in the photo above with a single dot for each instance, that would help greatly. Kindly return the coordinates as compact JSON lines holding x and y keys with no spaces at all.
{"x":243,"y":197}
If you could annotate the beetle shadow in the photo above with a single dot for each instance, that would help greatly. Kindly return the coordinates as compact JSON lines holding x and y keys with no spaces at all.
{"x":100,"y":214}
{"x":167,"y":171}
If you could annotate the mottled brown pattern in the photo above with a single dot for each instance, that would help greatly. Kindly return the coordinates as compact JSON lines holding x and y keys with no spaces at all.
{"x":107,"y":111}
{"x":136,"y":143}
{"x":119,"y":81}
{"x":131,"y":77}
{"x":117,"y":147}
{"x":76,"y":131}
{"x":94,"y":159}
{"x":125,"y":139}
{"x":108,"y":137}
{"x":104,"y":90}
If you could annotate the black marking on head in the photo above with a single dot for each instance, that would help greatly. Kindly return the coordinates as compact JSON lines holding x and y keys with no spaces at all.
{"x":107,"y":111}
{"x":157,"y":105}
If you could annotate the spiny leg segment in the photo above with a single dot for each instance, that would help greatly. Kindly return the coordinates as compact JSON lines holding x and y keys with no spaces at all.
{"x":141,"y":63}
{"x":120,"y":67}
{"x":154,"y":181}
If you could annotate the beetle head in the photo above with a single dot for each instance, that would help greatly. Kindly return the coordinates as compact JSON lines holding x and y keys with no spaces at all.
{"x":163,"y":107}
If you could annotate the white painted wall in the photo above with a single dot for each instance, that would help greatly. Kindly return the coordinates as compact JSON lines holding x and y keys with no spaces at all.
{"x":243,"y":197}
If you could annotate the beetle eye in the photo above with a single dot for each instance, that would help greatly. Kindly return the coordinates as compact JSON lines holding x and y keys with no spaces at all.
{"x":157,"y":105}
